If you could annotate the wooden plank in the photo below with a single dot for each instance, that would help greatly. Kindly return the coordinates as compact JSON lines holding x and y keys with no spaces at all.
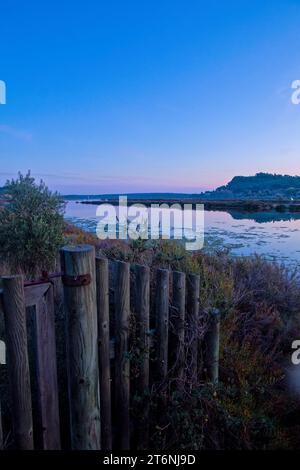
{"x":34,"y":293}
{"x":82,"y":348}
{"x":142,"y":310}
{"x":104,"y":351}
{"x":17,"y":360}
{"x":46,"y":372}
{"x":162,"y":322}
{"x":193,"y":292}
{"x":122,"y":379}
{"x":177,"y":319}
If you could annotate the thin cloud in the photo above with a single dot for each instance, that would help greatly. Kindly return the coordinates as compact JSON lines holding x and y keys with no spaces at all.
{"x":16,"y":133}
{"x":92,"y":178}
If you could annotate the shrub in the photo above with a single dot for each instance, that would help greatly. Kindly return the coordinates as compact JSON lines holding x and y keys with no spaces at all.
{"x":31,"y":226}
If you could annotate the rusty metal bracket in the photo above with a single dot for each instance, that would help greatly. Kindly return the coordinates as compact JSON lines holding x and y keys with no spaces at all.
{"x":69,"y":281}
{"x":44,"y":279}
{"x":76,"y":281}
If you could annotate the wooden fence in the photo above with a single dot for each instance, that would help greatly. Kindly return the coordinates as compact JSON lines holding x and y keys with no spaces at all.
{"x":101,"y":301}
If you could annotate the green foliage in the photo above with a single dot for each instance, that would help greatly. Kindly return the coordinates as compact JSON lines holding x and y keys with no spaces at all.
{"x":259,"y":186}
{"x":214,"y":418}
{"x":31,"y":226}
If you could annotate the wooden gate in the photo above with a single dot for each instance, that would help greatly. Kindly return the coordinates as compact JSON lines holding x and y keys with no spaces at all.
{"x":92,"y":349}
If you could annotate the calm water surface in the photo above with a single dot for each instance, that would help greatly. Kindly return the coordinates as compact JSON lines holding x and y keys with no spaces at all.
{"x":276,"y":236}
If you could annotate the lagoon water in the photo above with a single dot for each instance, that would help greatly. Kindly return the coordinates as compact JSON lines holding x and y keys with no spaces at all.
{"x":274,"y":235}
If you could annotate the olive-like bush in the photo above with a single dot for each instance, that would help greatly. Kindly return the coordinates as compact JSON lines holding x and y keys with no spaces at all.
{"x":31,"y":226}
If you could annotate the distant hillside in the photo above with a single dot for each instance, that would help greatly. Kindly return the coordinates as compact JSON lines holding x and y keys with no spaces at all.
{"x":260,"y":186}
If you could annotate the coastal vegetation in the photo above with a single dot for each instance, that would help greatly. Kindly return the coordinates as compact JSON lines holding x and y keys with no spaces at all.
{"x":259,"y":302}
{"x":31,"y":226}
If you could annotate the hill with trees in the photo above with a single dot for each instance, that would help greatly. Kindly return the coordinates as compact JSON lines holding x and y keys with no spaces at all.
{"x":260,"y":186}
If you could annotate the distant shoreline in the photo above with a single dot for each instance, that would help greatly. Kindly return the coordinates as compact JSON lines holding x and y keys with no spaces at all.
{"x":210,"y":205}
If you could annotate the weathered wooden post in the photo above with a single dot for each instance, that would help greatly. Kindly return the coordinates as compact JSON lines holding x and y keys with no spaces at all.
{"x":212,"y":346}
{"x":78,"y":263}
{"x":122,"y":379}
{"x":17,"y":360}
{"x":142,"y":310}
{"x":193,"y":292}
{"x":46,"y":372}
{"x":162,"y":346}
{"x":177,"y":319}
{"x":162,"y":322}
{"x":2,"y":361}
{"x":1,"y":431}
{"x":102,"y":276}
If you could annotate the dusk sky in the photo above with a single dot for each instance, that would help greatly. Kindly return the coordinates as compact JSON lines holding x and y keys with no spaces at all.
{"x":131,"y":96}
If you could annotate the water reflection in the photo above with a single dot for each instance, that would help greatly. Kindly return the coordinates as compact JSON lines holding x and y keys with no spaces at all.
{"x":274,"y":235}
{"x":260,"y":217}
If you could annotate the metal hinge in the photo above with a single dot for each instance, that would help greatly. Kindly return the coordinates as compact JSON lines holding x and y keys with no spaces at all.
{"x":76,"y":281}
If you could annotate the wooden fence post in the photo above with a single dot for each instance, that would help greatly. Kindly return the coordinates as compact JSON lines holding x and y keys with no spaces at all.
{"x":193,"y":292}
{"x":212,"y":346}
{"x":177,"y":353}
{"x":46,"y":372}
{"x":162,"y":322}
{"x":17,"y":360}
{"x":142,"y":310}
{"x":2,"y":361}
{"x":122,"y":365}
{"x":1,"y":430}
{"x":78,"y":263}
{"x":102,"y":276}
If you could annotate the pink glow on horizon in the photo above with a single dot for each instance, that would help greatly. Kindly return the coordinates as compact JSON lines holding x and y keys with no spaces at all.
{"x":90,"y":184}
{"x":125,"y":187}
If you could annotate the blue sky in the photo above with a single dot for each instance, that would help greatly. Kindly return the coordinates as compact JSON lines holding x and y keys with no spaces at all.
{"x":160,"y":95}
